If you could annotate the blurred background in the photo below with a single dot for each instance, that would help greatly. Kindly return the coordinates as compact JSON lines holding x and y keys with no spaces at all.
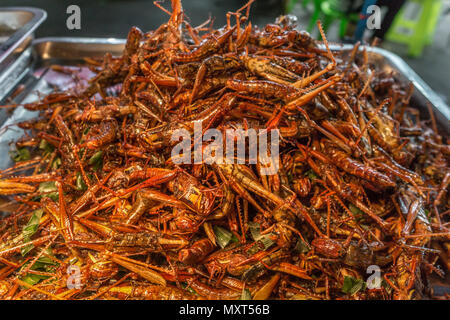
{"x":417,"y":30}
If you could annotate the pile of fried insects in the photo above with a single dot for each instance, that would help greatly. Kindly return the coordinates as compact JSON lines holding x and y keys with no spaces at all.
{"x":100,"y":210}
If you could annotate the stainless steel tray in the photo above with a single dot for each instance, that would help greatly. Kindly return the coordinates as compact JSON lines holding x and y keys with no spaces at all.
{"x":36,"y":77}
{"x":17,"y":25}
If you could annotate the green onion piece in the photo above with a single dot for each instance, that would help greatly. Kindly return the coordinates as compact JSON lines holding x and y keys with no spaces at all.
{"x":223,"y":236}
{"x":48,"y":189}
{"x":234,"y":239}
{"x":184,"y":285}
{"x":427,"y":213}
{"x":352,"y":285}
{"x":56,"y":163}
{"x":310,"y":174}
{"x":255,"y":248}
{"x":263,"y":240}
{"x":80,"y":185}
{"x":96,"y":157}
{"x":44,"y":264}
{"x":266,"y":242}
{"x":22,"y":154}
{"x":96,"y":160}
{"x":47,"y":147}
{"x":29,"y":229}
{"x":48,"y":186}
{"x":32,"y":278}
{"x":246,"y":294}
{"x":301,"y":247}
{"x":255,"y":230}
{"x":359,"y":214}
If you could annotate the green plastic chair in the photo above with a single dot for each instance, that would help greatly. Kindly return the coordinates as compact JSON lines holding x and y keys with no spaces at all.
{"x":290,"y":4}
{"x":329,"y":11}
{"x":416,"y":33}
{"x":305,"y":3}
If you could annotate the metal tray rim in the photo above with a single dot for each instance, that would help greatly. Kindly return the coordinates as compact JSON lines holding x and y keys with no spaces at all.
{"x":82,"y":40}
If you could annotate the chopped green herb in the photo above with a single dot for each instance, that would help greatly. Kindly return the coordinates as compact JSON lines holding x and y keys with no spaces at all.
{"x":48,"y":186}
{"x":22,"y":154}
{"x":44,"y":264}
{"x":257,"y":247}
{"x":246,"y":294}
{"x":80,"y":185}
{"x":47,"y":147}
{"x":184,"y":285}
{"x":223,"y":236}
{"x":301,"y":247}
{"x":264,"y":240}
{"x":255,"y":230}
{"x":310,"y":174}
{"x":359,"y":214}
{"x":352,"y":285}
{"x":56,"y":163}
{"x":81,"y":152}
{"x":49,"y":189}
{"x":234,"y":239}
{"x":427,"y":213}
{"x":32,"y":224}
{"x":30,"y":229}
{"x":96,"y":157}
{"x":96,"y":160}
{"x":386,"y":286}
{"x":32,"y":278}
